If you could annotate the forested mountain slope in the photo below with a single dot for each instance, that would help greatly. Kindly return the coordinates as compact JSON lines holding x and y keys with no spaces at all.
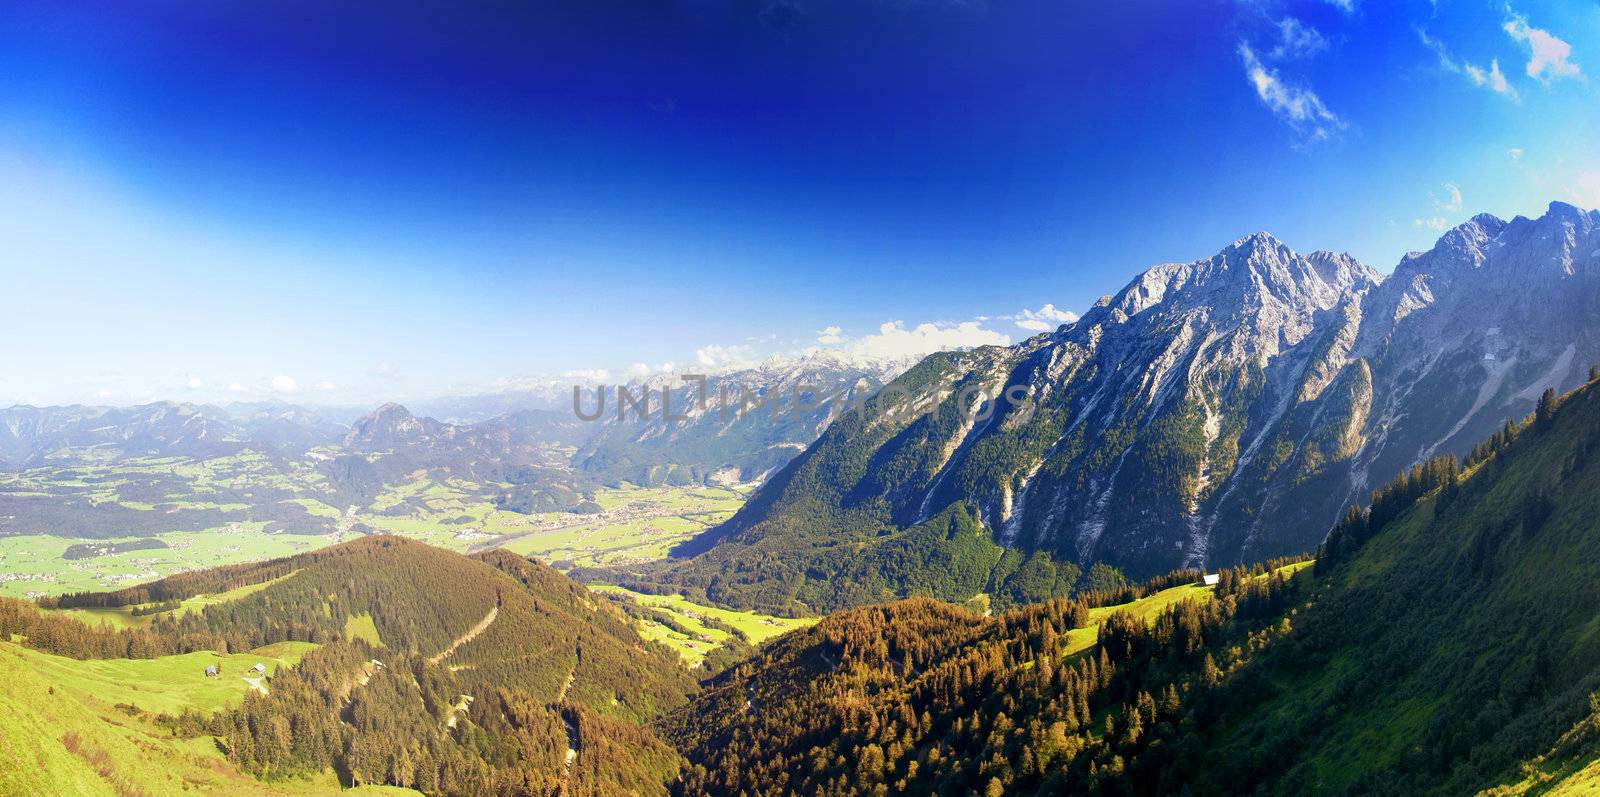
{"x":1447,"y":643}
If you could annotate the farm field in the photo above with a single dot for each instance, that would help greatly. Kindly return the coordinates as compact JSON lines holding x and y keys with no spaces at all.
{"x":35,"y":564}
{"x":691,"y":616}
{"x":637,"y":524}
{"x":634,"y":524}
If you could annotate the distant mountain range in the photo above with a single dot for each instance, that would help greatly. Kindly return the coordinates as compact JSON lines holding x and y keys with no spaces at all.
{"x":738,"y":426}
{"x":119,"y":471}
{"x":1210,"y":413}
{"x":28,"y":435}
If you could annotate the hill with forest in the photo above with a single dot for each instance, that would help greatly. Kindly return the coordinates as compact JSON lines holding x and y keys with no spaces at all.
{"x":1444,"y":643}
{"x":420,"y":668}
{"x":1210,"y":413}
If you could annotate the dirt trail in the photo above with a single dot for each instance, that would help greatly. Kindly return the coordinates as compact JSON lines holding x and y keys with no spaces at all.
{"x":572,"y":731}
{"x":483,"y":625}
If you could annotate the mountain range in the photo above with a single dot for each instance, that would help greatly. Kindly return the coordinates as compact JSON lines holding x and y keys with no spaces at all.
{"x":1209,"y":413}
{"x":1215,"y":412}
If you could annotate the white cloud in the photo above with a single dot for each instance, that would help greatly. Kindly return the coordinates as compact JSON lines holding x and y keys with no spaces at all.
{"x":1043,"y":319}
{"x":1345,"y":6}
{"x":1492,"y":78}
{"x":194,"y":383}
{"x":718,"y":356}
{"x":589,"y":374}
{"x":1451,"y":203}
{"x":895,"y":341}
{"x":1515,"y":153}
{"x":1300,"y":107}
{"x":1448,"y":203}
{"x":1548,"y":55}
{"x":285,"y":384}
{"x":235,"y":387}
{"x":1495,"y":80}
{"x":325,"y":386}
{"x":829,"y":336}
{"x":1297,"y":40}
{"x":106,"y":393}
{"x":642,"y":370}
{"x":385,"y":370}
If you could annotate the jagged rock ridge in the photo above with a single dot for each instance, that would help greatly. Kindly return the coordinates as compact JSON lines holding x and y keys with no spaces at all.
{"x":1217,"y":411}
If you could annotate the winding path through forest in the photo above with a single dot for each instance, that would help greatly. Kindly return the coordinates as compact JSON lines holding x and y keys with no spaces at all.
{"x":483,"y":625}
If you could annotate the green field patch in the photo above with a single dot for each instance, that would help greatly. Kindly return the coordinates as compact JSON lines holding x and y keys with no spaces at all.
{"x":31,"y":565}
{"x":317,"y":508}
{"x":1149,"y":608}
{"x":361,"y":626}
{"x":703,"y":638}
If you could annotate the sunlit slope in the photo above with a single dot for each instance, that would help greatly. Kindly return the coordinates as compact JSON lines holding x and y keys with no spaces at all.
{"x":1459,"y":642}
{"x":64,"y":732}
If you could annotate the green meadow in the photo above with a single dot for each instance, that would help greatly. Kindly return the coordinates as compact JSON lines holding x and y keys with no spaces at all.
{"x":635,"y":523}
{"x":1147,"y":609}
{"x":85,"y":727}
{"x":703,"y":638}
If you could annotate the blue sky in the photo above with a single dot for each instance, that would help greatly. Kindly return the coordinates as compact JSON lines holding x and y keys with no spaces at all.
{"x":359,"y":201}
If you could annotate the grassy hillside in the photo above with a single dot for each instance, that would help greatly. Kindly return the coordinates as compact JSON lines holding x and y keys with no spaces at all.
{"x":64,"y":732}
{"x":165,"y":684}
{"x":1459,"y":642}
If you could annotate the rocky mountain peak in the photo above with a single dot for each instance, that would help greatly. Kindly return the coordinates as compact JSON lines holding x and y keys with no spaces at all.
{"x":1253,"y":272}
{"x":383,"y":424}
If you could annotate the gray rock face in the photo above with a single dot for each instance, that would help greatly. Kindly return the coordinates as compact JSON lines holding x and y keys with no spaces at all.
{"x":1228,"y":409}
